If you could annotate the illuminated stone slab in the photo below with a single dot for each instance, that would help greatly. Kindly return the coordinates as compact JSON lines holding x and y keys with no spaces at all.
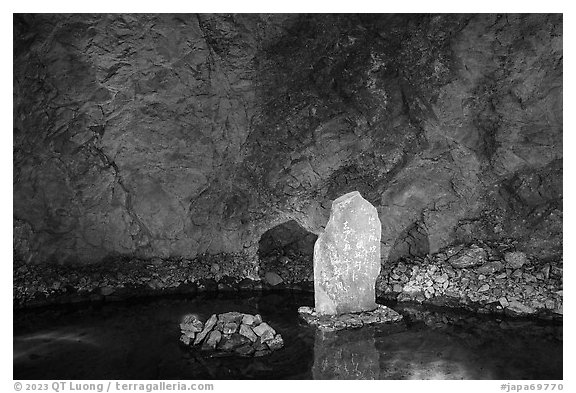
{"x":347,"y":258}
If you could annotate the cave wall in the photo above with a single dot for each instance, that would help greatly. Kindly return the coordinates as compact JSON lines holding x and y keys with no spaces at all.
{"x":178,"y":135}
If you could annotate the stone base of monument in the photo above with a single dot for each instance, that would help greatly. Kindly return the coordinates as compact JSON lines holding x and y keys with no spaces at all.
{"x":331,"y":323}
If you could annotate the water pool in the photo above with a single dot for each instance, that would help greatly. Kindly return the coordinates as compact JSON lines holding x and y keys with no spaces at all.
{"x":139,"y":340}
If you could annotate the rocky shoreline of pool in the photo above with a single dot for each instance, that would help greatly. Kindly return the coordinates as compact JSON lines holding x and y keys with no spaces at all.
{"x":479,"y":277}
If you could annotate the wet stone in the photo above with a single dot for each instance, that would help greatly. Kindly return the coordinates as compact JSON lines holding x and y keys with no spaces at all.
{"x":259,"y":345}
{"x":519,"y":308}
{"x":247,"y":332}
{"x":276,"y":343}
{"x":246,"y":284}
{"x":351,"y":320}
{"x":381,"y":314}
{"x":229,"y":328}
{"x":210,"y":323}
{"x":222,"y":336}
{"x":264,"y":331}
{"x":229,"y":344}
{"x":245,"y":350}
{"x":106,"y":291}
{"x":273,"y":278}
{"x":231,"y":317}
{"x":248,"y":319}
{"x":305,"y":310}
{"x":191,"y":323}
{"x":213,"y":339}
{"x":185,"y":339}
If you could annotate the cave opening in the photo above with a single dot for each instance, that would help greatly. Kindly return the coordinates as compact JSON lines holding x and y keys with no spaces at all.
{"x":286,"y":254}
{"x":287,"y":239}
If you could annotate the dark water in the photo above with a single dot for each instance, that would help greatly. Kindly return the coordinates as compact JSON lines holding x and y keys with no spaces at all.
{"x":139,"y":340}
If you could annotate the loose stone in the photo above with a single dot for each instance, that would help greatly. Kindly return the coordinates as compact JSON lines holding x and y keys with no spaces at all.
{"x":273,"y":278}
{"x":264,"y":331}
{"x":248,"y":319}
{"x":246,"y":331}
{"x":185,"y":339}
{"x":259,"y":345}
{"x":210,"y":323}
{"x":232,"y":316}
{"x":191,"y":323}
{"x":515,"y":260}
{"x":230,"y":343}
{"x":472,"y":256}
{"x":276,"y":342}
{"x":229,"y":328}
{"x":213,"y":339}
{"x":519,"y":308}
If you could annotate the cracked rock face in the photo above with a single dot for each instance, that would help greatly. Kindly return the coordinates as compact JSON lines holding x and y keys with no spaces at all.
{"x":178,"y":135}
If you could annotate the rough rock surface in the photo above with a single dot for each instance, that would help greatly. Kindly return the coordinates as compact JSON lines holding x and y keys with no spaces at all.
{"x":179,"y":135}
{"x":473,"y":256}
{"x":493,"y":287}
{"x":347,"y":257}
{"x":220,"y":335}
{"x":332,"y":323}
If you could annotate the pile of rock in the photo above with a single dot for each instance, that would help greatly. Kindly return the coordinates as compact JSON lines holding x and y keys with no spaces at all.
{"x":331,"y":323}
{"x":231,"y":333}
{"x":116,"y":279}
{"x":479,"y":278}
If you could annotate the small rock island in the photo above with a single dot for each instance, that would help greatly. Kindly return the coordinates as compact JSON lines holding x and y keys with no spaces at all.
{"x":229,"y":334}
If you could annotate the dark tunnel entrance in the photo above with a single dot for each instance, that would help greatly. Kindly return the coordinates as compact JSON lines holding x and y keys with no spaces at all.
{"x":286,"y":255}
{"x":287,"y":239}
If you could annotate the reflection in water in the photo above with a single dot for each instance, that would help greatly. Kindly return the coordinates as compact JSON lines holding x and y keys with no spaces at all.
{"x":346,"y":354}
{"x":414,"y":355}
{"x":43,"y":343}
{"x":390,"y":352}
{"x":139,"y":340}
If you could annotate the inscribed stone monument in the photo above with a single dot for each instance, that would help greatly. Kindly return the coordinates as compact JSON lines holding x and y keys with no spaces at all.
{"x":347,"y":258}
